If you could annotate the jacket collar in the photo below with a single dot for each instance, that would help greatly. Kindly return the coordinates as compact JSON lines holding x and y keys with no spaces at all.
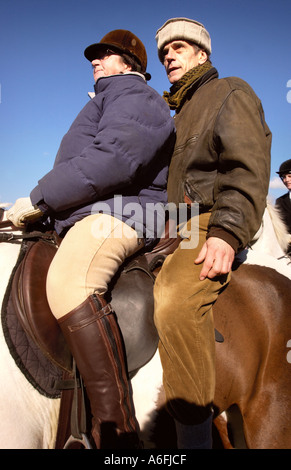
{"x":104,"y":80}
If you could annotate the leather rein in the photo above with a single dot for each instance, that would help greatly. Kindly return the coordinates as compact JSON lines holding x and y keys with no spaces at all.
{"x":11,"y":237}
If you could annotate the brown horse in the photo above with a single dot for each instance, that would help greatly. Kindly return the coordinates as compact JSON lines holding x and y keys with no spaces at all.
{"x":253,"y":373}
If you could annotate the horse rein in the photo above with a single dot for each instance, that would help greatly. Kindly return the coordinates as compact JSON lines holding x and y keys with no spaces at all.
{"x":7,"y":237}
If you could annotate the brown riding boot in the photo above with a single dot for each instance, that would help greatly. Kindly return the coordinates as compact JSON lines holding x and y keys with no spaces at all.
{"x":94,"y":339}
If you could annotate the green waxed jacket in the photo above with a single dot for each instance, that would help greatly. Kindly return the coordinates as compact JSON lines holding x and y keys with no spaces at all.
{"x":222,"y":157}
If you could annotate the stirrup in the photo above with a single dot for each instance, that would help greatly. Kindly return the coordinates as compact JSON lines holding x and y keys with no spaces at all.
{"x":83,"y":440}
{"x":78,"y":429}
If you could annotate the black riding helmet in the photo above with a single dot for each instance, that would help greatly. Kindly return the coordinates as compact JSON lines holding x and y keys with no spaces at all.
{"x":285,"y":167}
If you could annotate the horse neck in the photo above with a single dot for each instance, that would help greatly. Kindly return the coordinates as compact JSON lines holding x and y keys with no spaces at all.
{"x":8,"y":253}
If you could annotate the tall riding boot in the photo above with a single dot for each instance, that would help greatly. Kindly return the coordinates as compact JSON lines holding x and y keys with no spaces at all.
{"x":94,"y":339}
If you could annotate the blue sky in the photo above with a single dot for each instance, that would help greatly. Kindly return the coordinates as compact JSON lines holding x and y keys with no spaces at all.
{"x":44,"y":77}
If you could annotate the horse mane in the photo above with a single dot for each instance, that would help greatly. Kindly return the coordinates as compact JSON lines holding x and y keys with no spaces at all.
{"x":282,"y":234}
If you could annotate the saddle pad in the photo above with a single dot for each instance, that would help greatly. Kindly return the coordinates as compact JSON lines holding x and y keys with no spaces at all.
{"x":36,"y":367}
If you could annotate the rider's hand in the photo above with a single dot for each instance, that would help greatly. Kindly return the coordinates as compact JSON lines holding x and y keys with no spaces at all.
{"x":217,"y":257}
{"x":23,"y":212}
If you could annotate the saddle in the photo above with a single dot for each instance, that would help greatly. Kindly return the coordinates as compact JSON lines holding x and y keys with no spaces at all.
{"x":28,"y":295}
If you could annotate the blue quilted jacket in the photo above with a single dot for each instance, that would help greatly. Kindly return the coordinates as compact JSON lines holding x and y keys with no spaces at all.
{"x":116,"y":152}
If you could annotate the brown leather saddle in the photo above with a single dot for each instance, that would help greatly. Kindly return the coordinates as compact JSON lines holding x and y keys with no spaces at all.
{"x":28,"y":295}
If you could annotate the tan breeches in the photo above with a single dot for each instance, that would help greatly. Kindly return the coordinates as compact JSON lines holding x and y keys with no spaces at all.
{"x":87,"y":259}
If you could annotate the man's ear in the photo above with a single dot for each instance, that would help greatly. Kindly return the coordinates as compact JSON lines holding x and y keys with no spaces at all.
{"x":202,"y":57}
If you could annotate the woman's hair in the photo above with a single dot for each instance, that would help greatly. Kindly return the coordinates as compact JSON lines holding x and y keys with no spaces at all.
{"x":130,"y":60}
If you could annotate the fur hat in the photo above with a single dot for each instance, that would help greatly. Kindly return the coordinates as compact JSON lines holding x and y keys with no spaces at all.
{"x":183,"y":29}
{"x":122,"y":41}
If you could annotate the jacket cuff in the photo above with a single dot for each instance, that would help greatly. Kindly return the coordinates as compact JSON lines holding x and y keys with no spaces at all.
{"x":224,"y":235}
{"x":37,"y":200}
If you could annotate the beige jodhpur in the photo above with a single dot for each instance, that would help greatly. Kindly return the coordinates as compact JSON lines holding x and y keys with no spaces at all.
{"x":87,"y":259}
{"x":183,"y":317}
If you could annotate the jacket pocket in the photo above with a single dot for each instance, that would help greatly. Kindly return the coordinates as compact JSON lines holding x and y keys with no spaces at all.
{"x":180,"y":148}
{"x":190,"y":194}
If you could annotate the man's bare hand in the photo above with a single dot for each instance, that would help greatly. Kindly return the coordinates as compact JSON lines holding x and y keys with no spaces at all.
{"x":217,"y":257}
